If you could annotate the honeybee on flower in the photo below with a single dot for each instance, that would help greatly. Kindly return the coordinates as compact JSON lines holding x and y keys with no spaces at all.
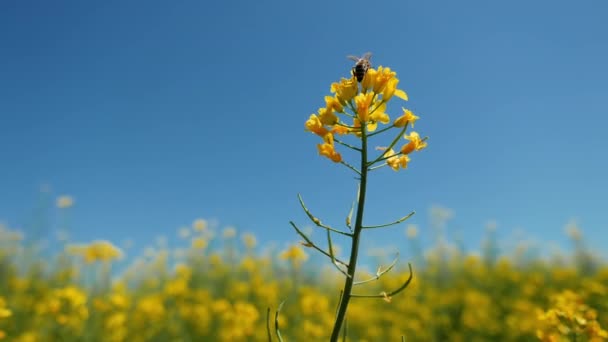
{"x":362,"y":64}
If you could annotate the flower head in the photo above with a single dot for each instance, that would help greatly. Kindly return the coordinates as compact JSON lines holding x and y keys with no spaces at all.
{"x":383,"y":76}
{"x":363,"y":102}
{"x":100,"y":250}
{"x":199,"y":225}
{"x":345,"y":90}
{"x":415,"y":144}
{"x":295,"y":254}
{"x":327,"y":116}
{"x":314,"y":124}
{"x":65,"y":201}
{"x":407,"y":118}
{"x":356,"y":112}
{"x":369,"y":79}
{"x":397,"y":162}
{"x":391,"y":89}
{"x":327,"y":149}
{"x":249,"y":240}
{"x":332,"y":103}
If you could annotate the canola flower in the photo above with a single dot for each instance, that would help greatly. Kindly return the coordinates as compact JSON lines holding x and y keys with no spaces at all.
{"x":295,"y":255}
{"x":249,"y":240}
{"x":4,"y":313}
{"x":411,"y":231}
{"x":199,"y":225}
{"x":358,"y":110}
{"x":354,"y":117}
{"x":65,"y":201}
{"x":571,"y":317}
{"x":103,"y":251}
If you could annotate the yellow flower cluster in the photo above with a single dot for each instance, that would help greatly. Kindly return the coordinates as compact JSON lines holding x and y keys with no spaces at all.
{"x":221,"y":293}
{"x":96,"y":251}
{"x":68,"y":307}
{"x":365,"y":105}
{"x":4,"y":313}
{"x":570,"y":319}
{"x":65,"y":201}
{"x":294,"y":254}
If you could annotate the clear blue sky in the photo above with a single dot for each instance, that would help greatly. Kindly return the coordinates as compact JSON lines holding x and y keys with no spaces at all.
{"x":152,"y":114}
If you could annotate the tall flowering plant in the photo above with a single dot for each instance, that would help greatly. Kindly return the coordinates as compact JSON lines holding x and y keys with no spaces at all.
{"x":355,"y":117}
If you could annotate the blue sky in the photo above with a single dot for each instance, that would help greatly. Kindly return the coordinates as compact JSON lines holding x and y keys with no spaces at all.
{"x":152,"y":114}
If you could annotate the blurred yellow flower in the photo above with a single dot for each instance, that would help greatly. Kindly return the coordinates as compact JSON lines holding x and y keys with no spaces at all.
{"x":65,"y":201}
{"x":573,"y":231}
{"x":67,"y":306}
{"x":312,"y":302}
{"x":248,"y":264}
{"x":99,"y":250}
{"x":229,"y":232}
{"x":183,"y":271}
{"x":28,"y":336}
{"x":199,"y":225}
{"x":295,"y":254}
{"x":115,"y":321}
{"x":4,"y":311}
{"x":176,"y":287}
{"x":312,"y":330}
{"x":10,"y":235}
{"x":199,"y":243}
{"x":570,"y":317}
{"x":411,"y":231}
{"x":152,"y":308}
{"x":249,"y":240}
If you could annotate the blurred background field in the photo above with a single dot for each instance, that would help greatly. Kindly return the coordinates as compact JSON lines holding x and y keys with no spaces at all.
{"x":217,"y":285}
{"x":155,"y":114}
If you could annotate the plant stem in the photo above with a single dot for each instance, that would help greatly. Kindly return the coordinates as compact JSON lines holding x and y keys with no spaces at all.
{"x":354,"y":251}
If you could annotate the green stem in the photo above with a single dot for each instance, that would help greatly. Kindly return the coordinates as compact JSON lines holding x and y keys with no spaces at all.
{"x":354,"y":251}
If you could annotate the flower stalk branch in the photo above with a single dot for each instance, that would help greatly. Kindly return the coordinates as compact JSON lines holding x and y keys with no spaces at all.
{"x":388,"y":295}
{"x":379,"y":273}
{"x":392,"y":223}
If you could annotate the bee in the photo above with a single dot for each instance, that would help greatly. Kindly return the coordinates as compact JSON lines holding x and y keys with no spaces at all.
{"x":361,"y":65}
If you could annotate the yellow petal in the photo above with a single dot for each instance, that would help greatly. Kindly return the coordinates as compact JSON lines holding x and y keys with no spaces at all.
{"x":372,"y":125}
{"x":381,"y":117}
{"x":401,"y":94}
